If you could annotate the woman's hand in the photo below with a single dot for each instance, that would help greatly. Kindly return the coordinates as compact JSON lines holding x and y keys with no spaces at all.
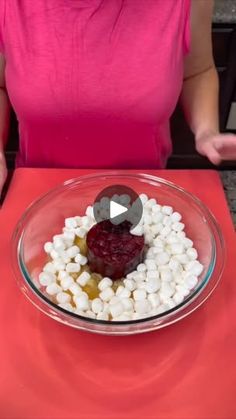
{"x":3,"y":171}
{"x":217,"y":147}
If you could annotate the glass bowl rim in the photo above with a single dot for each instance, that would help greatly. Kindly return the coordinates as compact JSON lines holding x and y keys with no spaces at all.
{"x":18,"y":235}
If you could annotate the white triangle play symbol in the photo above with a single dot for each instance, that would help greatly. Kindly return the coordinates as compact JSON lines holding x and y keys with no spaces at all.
{"x":116,"y":209}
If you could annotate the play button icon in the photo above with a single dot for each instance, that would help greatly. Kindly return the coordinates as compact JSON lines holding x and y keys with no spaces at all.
{"x":118,"y":203}
{"x":116,"y":209}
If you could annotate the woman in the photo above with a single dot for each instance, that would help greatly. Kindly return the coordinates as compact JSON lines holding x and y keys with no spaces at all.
{"x":94,"y":82}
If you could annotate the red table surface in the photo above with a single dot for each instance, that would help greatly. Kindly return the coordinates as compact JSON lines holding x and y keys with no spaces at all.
{"x":48,"y":370}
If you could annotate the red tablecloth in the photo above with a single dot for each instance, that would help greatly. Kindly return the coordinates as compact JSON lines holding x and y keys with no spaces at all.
{"x":48,"y":370}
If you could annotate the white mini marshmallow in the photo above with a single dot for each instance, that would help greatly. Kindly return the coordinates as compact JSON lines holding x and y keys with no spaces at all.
{"x":59,"y":264}
{"x":48,"y":247}
{"x":190,"y":281}
{"x":62,"y":274}
{"x":156,"y":208}
{"x":129,"y":284}
{"x":156,"y":229}
{"x":154,"y":299}
{"x":157,"y":242}
{"x":162,"y":258}
{"x":89,"y":211}
{"x":54,"y":254}
{"x":192,"y":253}
{"x":59,"y":244}
{"x":152,"y":274}
{"x":123,"y":292}
{"x":83,"y":278}
{"x":139,"y":294}
{"x":114,"y":300}
{"x":72,"y":267}
{"x":166,"y":275}
{"x":172,"y":238}
{"x":119,"y":290}
{"x":194,"y":267}
{"x":128,"y":304}
{"x":150,"y":203}
{"x":90,"y":314}
{"x":182,"y":289}
{"x":151,"y":264}
{"x":66,"y":306}
{"x":161,"y":309}
{"x":81,"y":232}
{"x":75,"y":289}
{"x":167,"y":221}
{"x":53,"y":289}
{"x":166,"y":291}
{"x":78,"y":220}
{"x":86,"y":222}
{"x":181,"y":235}
{"x":123,"y":317}
{"x":81,"y":259}
{"x":187,"y":243}
{"x":177,"y":248}
{"x":153,"y":285}
{"x":183,"y":258}
{"x":148,"y":239}
{"x":178,"y":298}
{"x":97,"y":305}
{"x":157,"y":218}
{"x":66,"y":282}
{"x":142,"y":306}
{"x":106,"y":294}
{"x":69,"y":237}
{"x":137,"y":230}
{"x":141,"y":267}
{"x":46,"y":278}
{"x":73,"y":251}
{"x":143,"y":197}
{"x":177,"y":226}
{"x":167,"y":210}
{"x":81,"y":301}
{"x":50,"y":267}
{"x":165,"y":231}
{"x":147,"y":219}
{"x":169,"y":303}
{"x":176,"y":217}
{"x":70,"y":222}
{"x":125,"y":199}
{"x":63,"y":257}
{"x":141,"y":285}
{"x":105,"y":283}
{"x":63,"y":297}
{"x":116,"y":309}
{"x":174,"y":265}
{"x":102,"y":316}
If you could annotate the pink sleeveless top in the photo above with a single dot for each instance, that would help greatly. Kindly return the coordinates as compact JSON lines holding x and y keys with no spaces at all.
{"x":94,"y":82}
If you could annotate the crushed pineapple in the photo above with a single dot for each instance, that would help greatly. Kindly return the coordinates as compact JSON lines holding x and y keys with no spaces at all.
{"x":81,"y":243}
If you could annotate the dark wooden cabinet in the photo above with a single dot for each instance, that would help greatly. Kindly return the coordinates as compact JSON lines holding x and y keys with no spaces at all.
{"x":184,"y":154}
{"x":224,"y":50}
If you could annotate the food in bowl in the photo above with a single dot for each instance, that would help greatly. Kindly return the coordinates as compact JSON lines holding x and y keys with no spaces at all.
{"x":114,"y":273}
{"x":113,"y":250}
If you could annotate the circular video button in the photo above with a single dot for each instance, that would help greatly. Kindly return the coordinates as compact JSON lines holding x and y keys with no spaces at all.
{"x":118,"y":203}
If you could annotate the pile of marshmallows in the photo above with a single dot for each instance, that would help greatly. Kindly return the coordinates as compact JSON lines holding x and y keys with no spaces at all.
{"x":168,"y":273}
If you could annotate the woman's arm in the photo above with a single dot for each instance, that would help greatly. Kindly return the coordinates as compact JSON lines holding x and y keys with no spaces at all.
{"x":4,"y":122}
{"x":200,"y":89}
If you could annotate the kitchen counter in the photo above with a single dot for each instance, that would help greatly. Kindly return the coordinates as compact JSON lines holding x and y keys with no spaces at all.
{"x":49,"y":370}
{"x":228,"y":178}
{"x":224,"y":11}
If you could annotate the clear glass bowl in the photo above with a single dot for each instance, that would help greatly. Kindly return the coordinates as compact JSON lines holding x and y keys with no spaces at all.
{"x":45,"y":218}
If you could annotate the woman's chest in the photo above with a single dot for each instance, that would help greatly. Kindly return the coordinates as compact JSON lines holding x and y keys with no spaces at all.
{"x":116,"y":60}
